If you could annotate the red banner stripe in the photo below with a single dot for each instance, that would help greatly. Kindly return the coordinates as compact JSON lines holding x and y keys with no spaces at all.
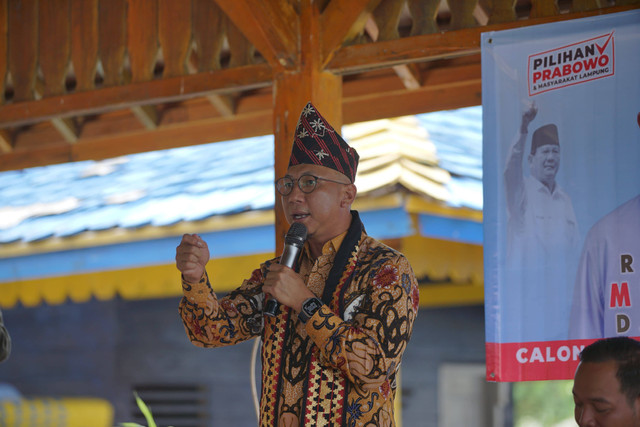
{"x":533,"y":361}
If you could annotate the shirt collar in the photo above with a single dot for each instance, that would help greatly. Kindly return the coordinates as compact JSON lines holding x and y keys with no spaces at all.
{"x":541,"y":188}
{"x":331,"y":247}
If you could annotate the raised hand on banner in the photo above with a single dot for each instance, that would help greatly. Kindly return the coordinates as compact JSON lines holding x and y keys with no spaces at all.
{"x":528,"y":116}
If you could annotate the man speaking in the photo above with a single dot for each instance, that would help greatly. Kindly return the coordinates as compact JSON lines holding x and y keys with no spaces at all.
{"x":332,"y":350}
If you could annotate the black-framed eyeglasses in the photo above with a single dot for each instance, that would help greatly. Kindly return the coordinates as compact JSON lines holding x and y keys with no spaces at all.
{"x":306,"y":183}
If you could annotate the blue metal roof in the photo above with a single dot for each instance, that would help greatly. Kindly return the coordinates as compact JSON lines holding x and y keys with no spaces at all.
{"x":457,"y":135}
{"x":193,"y":183}
{"x":384,"y":223}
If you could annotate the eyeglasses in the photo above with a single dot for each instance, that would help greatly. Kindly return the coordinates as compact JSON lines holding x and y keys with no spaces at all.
{"x":306,"y":183}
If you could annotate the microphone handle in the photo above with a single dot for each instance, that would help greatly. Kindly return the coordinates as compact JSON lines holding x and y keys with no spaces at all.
{"x":289,"y":256}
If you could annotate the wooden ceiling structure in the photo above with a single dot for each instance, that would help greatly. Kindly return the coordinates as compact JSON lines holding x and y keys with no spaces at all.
{"x":93,"y":79}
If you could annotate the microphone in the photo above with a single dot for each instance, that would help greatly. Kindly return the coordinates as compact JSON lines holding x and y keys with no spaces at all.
{"x":293,"y":242}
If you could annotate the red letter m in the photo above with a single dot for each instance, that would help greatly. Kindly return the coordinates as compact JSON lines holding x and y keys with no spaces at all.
{"x":620,"y":296}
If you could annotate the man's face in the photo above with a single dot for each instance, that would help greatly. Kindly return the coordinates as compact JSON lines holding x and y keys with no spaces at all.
{"x":317,"y":210}
{"x":598,"y":400}
{"x":544,"y":163}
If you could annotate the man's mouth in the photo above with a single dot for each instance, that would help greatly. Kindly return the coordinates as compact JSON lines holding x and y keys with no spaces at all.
{"x":299,"y":216}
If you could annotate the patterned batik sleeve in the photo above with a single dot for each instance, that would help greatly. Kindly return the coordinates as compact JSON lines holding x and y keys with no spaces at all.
{"x":5,"y":341}
{"x":213,"y":322}
{"x":368,"y":347}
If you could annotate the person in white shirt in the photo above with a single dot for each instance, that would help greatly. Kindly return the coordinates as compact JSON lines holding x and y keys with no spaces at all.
{"x":542,"y":236}
{"x":607,"y":287}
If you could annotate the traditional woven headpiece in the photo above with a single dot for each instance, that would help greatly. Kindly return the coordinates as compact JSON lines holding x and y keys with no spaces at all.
{"x":317,"y":143}
{"x":544,"y":135}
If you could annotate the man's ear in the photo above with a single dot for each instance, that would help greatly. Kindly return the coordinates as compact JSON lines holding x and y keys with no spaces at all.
{"x":348,"y":195}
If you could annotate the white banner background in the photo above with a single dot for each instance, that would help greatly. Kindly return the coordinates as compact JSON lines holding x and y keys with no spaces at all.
{"x":584,"y":77}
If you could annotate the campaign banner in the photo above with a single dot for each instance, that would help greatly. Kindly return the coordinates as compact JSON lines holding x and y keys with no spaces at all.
{"x":561,"y":177}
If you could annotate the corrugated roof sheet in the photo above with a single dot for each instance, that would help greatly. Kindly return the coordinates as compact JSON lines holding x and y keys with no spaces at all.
{"x":192,"y":183}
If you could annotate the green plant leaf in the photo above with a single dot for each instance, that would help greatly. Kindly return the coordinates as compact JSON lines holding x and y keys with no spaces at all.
{"x":145,"y":410}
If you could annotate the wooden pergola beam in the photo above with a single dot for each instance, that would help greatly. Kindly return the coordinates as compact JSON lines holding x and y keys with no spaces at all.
{"x":224,"y":104}
{"x":441,"y":97}
{"x":347,"y":60}
{"x":409,"y":74}
{"x":179,"y":135}
{"x":144,"y":93}
{"x":450,"y":44}
{"x":6,"y":145}
{"x":270,"y":25}
{"x":67,"y":128}
{"x":147,"y":115}
{"x":454,"y":87}
{"x":342,"y":20}
{"x":304,"y":39}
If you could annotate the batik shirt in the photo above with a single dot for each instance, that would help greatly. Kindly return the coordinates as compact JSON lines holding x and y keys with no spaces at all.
{"x":340,"y":367}
{"x":5,"y":341}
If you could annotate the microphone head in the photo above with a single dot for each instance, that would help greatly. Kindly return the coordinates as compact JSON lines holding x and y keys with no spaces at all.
{"x":296,"y":235}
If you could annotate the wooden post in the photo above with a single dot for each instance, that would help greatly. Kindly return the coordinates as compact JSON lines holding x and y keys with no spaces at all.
{"x":291,"y":92}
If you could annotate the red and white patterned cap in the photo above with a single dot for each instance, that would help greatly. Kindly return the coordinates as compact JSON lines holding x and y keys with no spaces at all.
{"x":317,"y":143}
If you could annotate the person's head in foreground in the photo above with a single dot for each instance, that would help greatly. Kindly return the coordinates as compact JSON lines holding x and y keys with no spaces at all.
{"x":318,"y":188}
{"x":606,"y":388}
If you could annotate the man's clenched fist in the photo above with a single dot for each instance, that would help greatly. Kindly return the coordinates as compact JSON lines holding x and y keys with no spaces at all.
{"x":192,"y":255}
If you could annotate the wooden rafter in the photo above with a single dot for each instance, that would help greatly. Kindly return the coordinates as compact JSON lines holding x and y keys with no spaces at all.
{"x":347,"y":60}
{"x":224,"y":104}
{"x":454,"y":86}
{"x":67,"y":128}
{"x":5,"y":141}
{"x":148,"y":115}
{"x":270,"y":25}
{"x":450,"y":44}
{"x":108,"y":146}
{"x":409,"y":74}
{"x":341,"y":21}
{"x":143,"y":93}
{"x":133,"y":81}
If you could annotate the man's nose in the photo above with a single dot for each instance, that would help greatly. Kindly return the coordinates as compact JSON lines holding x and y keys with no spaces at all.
{"x":585,"y":418}
{"x":296,"y":192}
